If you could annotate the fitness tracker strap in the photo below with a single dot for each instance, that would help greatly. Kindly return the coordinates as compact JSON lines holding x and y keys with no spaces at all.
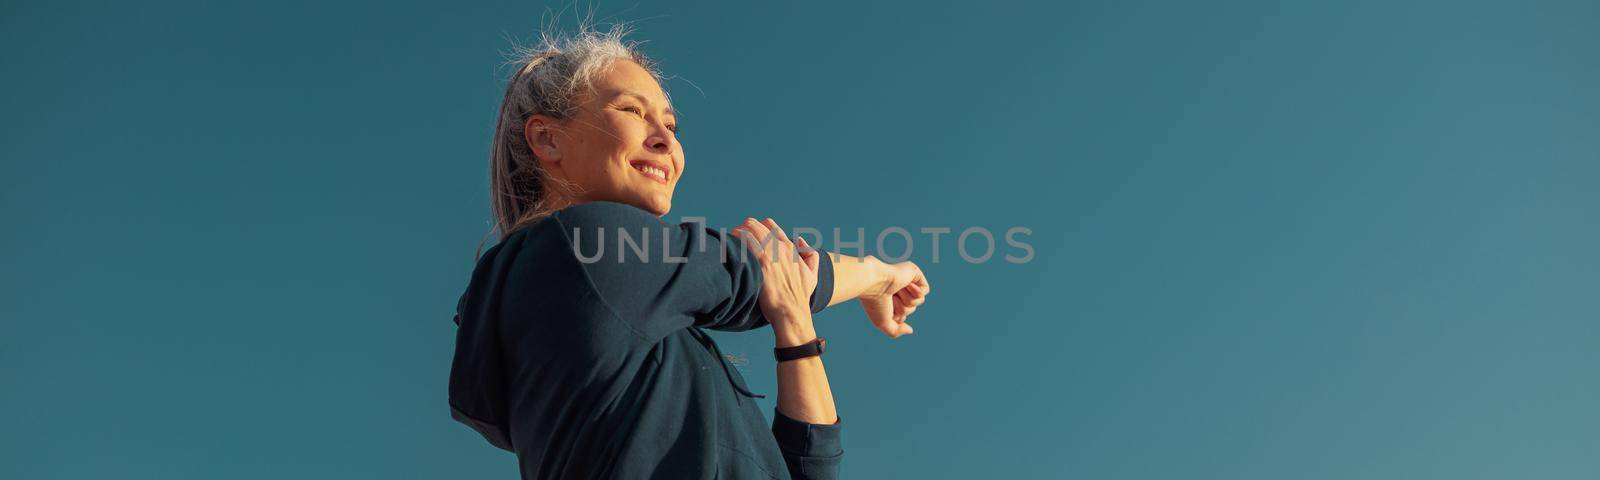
{"x":809,"y":349}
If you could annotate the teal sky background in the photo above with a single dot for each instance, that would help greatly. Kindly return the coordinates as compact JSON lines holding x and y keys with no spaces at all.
{"x":1311,"y":240}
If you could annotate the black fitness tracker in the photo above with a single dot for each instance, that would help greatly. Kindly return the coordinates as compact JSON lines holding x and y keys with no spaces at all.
{"x":809,"y":349}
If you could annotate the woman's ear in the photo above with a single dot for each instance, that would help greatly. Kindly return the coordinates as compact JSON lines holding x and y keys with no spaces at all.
{"x":539,"y":132}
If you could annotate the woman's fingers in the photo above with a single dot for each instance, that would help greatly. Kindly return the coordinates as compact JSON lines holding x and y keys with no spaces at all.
{"x":907,"y":297}
{"x":902,"y":313}
{"x":750,"y":243}
{"x":810,"y":257}
{"x":895,"y":329}
{"x":771,"y":239}
{"x":781,"y":239}
{"x":773,"y":227}
{"x":757,"y":238}
{"x":912,"y":290}
{"x":903,"y":310}
{"x":900,"y":328}
{"x":916,"y":280}
{"x":919,"y":280}
{"x":884,"y":315}
{"x":895,"y":325}
{"x":915,"y":292}
{"x":756,"y":227}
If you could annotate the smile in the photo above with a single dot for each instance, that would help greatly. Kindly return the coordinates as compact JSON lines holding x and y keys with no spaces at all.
{"x":651,"y":170}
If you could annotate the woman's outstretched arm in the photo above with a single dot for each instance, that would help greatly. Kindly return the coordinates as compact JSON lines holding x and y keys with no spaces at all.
{"x":889,"y":292}
{"x":855,"y":276}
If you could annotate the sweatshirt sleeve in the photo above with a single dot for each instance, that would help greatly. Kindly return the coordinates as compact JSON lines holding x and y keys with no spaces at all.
{"x":477,"y":392}
{"x":668,"y":277}
{"x":811,"y":451}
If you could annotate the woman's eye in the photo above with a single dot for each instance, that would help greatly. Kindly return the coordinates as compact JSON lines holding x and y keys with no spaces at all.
{"x":673,"y":127}
{"x":633,"y":110}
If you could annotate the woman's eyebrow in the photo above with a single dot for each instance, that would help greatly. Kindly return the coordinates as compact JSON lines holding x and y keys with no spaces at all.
{"x":646,"y":100}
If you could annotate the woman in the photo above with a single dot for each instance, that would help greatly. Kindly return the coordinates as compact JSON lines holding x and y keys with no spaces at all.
{"x":580,"y":344}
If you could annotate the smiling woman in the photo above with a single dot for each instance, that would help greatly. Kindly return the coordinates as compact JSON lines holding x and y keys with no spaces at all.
{"x":622,"y":141}
{"x":601,"y":368}
{"x":589,"y":97}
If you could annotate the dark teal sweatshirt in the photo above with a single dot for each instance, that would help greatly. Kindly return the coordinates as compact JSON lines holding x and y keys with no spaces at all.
{"x":580,"y":346}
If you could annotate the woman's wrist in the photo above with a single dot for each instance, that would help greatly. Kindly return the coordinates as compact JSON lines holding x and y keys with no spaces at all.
{"x":856,"y":277}
{"x":881,"y":274}
{"x":793,"y":331}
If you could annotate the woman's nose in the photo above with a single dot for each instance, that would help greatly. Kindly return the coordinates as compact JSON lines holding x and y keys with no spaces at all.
{"x":660,"y":144}
{"x":661,"y":140}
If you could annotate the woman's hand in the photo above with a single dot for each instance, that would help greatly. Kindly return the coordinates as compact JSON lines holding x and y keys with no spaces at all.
{"x":901,"y":289}
{"x":788,"y":276}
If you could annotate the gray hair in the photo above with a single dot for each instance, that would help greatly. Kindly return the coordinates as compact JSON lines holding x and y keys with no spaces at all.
{"x":549,"y":80}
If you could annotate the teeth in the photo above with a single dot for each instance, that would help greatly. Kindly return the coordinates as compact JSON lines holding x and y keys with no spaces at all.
{"x":653,"y":171}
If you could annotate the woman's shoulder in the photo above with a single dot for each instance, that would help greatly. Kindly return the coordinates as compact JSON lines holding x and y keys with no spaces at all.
{"x":583,"y":216}
{"x":605,"y":214}
{"x":581,"y":229}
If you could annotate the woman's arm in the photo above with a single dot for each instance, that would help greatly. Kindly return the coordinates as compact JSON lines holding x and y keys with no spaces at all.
{"x":662,"y":278}
{"x":789,"y":274}
{"x":854,"y":276}
{"x":806,"y":424}
{"x":889,"y":292}
{"x":803,"y":392}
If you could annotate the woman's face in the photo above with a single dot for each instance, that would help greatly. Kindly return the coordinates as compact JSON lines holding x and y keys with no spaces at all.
{"x":621,"y":146}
